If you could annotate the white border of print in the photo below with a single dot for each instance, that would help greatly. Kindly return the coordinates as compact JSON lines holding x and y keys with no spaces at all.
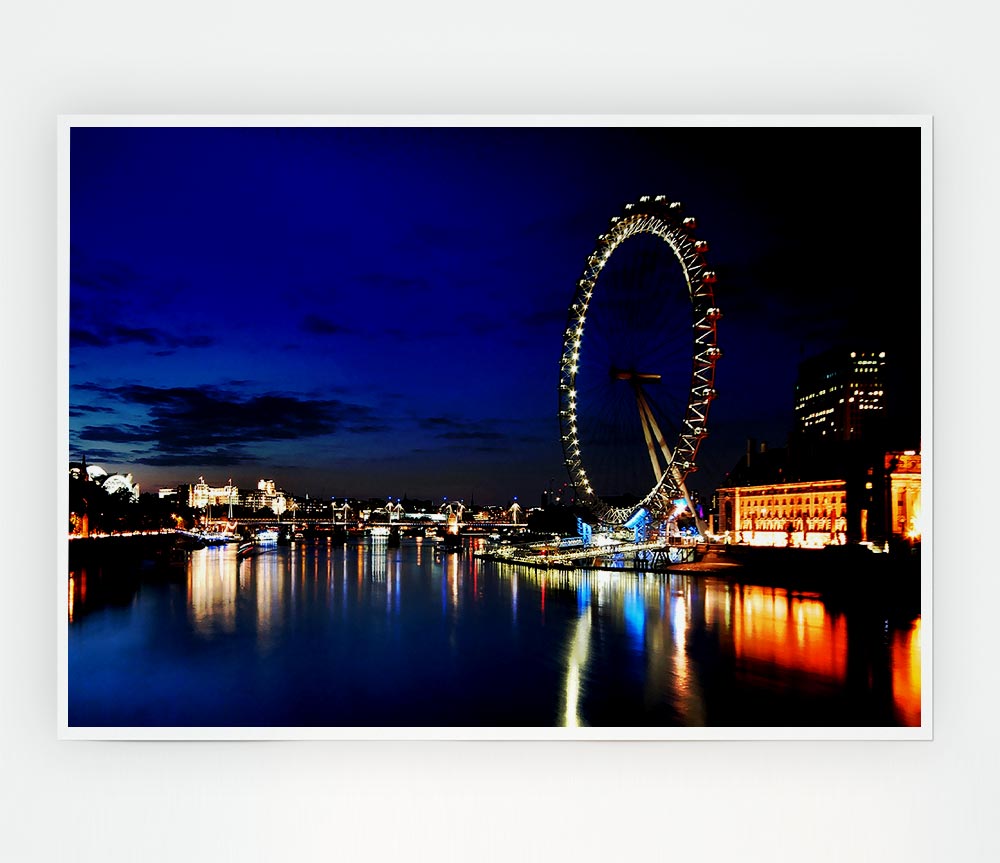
{"x":924,"y":732}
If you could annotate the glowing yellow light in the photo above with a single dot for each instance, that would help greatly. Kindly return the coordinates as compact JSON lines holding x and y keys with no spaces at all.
{"x":576,"y":661}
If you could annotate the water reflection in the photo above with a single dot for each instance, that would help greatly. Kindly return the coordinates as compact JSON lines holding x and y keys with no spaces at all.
{"x":212,"y":587}
{"x":781,"y":640}
{"x":576,"y":663}
{"x":323,"y":632}
{"x":906,"y":674}
{"x":795,"y":633}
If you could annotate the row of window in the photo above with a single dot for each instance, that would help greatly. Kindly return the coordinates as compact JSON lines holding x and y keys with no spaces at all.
{"x":791,"y":513}
{"x":784,"y":500}
{"x":808,"y":524}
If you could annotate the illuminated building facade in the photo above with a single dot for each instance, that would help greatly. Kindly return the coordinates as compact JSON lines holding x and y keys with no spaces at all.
{"x":840,"y":395}
{"x":112,"y":483}
{"x":267,"y":496}
{"x":201,"y":494}
{"x":121,"y":482}
{"x":877,"y":504}
{"x":904,"y":505}
{"x":800,"y":514}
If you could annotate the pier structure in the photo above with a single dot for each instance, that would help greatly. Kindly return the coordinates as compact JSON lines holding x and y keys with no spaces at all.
{"x":574,"y":553}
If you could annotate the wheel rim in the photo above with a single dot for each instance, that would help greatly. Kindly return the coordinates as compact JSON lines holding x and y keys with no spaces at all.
{"x":671,"y":450}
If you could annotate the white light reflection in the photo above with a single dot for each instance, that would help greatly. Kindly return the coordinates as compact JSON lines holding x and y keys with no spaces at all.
{"x":212,"y":586}
{"x":269,"y":581}
{"x":453,"y":576}
{"x":685,"y":684}
{"x":576,"y":662}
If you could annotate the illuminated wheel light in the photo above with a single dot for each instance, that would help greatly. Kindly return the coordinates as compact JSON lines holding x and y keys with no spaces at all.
{"x":673,"y":230}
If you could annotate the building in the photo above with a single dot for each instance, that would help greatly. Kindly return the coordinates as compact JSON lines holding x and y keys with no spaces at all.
{"x":904,"y":506}
{"x":121,"y":482}
{"x":801,"y":514}
{"x":267,"y":496}
{"x":112,"y":483}
{"x":201,"y":494}
{"x":840,"y":395}
{"x":876,"y":504}
{"x":844,"y":476}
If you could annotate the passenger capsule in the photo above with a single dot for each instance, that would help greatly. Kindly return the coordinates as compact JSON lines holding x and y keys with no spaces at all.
{"x":713,"y":314}
{"x":690,"y":223}
{"x":709,"y":277}
{"x":701,"y":246}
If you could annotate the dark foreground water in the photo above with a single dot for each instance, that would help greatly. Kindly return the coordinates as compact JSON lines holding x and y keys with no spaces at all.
{"x":363,"y":635}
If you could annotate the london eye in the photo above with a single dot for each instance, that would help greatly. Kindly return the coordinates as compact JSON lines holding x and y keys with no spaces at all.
{"x":637,"y":370}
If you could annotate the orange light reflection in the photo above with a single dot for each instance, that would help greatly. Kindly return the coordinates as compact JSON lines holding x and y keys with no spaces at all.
{"x":792,"y":632}
{"x":906,"y":674}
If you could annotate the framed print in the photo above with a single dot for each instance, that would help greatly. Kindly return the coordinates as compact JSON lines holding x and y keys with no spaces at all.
{"x":495,"y":427}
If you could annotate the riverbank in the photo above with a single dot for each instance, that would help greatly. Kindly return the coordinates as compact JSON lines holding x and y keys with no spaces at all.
{"x":126,"y":551}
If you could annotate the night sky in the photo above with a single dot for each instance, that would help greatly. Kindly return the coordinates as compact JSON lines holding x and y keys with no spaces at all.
{"x":379,"y":312}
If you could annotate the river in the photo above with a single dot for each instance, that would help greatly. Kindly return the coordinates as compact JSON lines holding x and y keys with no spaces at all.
{"x":364,"y":635}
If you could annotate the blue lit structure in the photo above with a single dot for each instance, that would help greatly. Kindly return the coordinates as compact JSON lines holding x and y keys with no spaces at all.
{"x":639,"y":524}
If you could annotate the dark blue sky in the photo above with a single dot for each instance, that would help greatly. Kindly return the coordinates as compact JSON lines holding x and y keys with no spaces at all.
{"x":380,"y":311}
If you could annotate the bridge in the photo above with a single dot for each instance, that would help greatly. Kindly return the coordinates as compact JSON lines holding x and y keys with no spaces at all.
{"x":407,"y":525}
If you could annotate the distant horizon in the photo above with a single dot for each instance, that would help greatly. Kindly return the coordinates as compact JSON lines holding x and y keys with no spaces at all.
{"x":144,"y":488}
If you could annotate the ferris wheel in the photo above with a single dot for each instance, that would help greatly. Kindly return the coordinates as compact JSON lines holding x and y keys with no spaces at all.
{"x":637,"y":371}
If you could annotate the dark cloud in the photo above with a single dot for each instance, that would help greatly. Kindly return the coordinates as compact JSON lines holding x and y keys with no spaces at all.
{"x":214,"y":458}
{"x":392,"y":283}
{"x":90,"y":274}
{"x":92,"y":454}
{"x":119,"y":433}
{"x":80,"y":338}
{"x":83,"y":410}
{"x":471,"y":435}
{"x":320,"y":326}
{"x":109,"y":335}
{"x":449,"y":428}
{"x":434,"y":423}
{"x":211,"y":425}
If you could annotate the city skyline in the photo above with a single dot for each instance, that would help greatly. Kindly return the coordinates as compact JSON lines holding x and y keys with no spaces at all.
{"x":378,"y":312}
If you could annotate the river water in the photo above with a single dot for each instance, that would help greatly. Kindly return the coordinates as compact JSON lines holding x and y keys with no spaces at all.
{"x":364,"y":635}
